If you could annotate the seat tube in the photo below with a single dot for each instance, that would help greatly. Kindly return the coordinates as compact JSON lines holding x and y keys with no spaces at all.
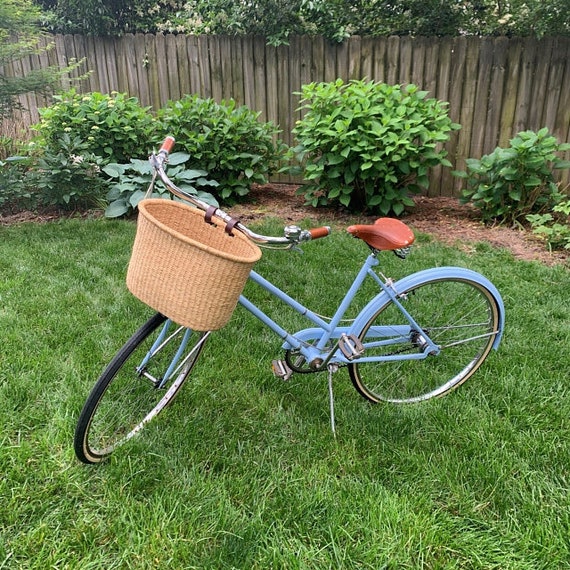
{"x":370,"y":262}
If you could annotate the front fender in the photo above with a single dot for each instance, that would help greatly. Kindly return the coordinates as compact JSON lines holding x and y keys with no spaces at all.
{"x":434,"y":274}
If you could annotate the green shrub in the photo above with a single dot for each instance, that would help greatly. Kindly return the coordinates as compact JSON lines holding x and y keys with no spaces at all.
{"x":130,"y":183}
{"x":228,"y":141}
{"x":553,"y":227}
{"x":115,"y":127}
{"x":69,"y":177}
{"x":15,"y":190}
{"x":511,"y":183}
{"x":368,"y":145}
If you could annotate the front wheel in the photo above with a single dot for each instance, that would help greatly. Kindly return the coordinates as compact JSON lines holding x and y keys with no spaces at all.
{"x":461,"y":316}
{"x":142,"y":379}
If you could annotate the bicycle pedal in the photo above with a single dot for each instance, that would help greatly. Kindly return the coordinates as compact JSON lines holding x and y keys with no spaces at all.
{"x":281,"y":370}
{"x":350,"y":346}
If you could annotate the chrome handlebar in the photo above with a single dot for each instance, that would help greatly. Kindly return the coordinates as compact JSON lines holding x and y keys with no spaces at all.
{"x":292,"y":234}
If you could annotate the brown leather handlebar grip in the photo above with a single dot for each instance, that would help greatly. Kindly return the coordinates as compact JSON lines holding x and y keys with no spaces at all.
{"x":167,"y":145}
{"x":321,"y":232}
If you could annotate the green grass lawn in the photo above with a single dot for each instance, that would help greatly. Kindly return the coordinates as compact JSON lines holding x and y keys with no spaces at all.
{"x":243,"y":471}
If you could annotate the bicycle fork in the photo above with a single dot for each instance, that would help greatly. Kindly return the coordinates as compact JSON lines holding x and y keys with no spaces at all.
{"x":176,"y":365}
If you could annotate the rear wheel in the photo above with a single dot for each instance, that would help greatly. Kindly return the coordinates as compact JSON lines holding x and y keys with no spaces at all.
{"x":461,"y":316}
{"x":133,"y":390}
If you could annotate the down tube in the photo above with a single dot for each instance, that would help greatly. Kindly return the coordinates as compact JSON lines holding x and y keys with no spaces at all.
{"x":281,"y":295}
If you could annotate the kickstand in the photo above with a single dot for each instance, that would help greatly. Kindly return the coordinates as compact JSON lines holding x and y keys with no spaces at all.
{"x":332,"y":369}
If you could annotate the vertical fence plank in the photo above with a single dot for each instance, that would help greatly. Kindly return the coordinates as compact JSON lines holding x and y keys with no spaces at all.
{"x":510,"y":94}
{"x":295,"y":57}
{"x":284,"y":118}
{"x":120,"y":82}
{"x":84,"y":85}
{"x":330,"y":58}
{"x":354,"y":70}
{"x":496,"y":95}
{"x":481,"y":104}
{"x":556,"y":97}
{"x":225,"y":66}
{"x":316,"y":71}
{"x":379,"y":62}
{"x":126,"y":66}
{"x":429,"y":80}
{"x":100,"y":63}
{"x":183,"y":69}
{"x":174,"y":68}
{"x":271,"y":84}
{"x":455,"y":94}
{"x":215,"y":68}
{"x":89,"y":51}
{"x":237,"y":90}
{"x":466,"y":119}
{"x":259,"y":66}
{"x":153,"y":71}
{"x":204,"y":67}
{"x":141,"y":62}
{"x":540,"y":78}
{"x":366,"y":58}
{"x":442,"y":90}
{"x":525,"y":86}
{"x":405,"y":64}
{"x":163,"y":73}
{"x":392,"y":60}
{"x":417,"y":74}
{"x":193,"y":65}
{"x":248,"y":66}
{"x":284,"y":115}
{"x":341,"y":54}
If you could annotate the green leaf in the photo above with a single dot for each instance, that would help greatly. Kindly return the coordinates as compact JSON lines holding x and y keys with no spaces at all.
{"x":114,"y":170}
{"x":116,"y":209}
{"x":136,"y":197}
{"x":177,"y":158}
{"x":532,"y":181}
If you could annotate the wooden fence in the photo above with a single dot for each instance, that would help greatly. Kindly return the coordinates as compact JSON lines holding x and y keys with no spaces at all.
{"x":496,"y":87}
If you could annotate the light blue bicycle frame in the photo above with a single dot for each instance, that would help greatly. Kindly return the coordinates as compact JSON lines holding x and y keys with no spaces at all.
{"x":314,"y":343}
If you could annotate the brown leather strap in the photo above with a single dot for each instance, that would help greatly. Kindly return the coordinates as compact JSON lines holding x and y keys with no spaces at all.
{"x":231,"y":225}
{"x":209,"y":213}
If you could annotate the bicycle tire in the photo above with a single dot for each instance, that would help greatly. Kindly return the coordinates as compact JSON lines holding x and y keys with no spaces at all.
{"x":459,"y":314}
{"x":124,"y":398}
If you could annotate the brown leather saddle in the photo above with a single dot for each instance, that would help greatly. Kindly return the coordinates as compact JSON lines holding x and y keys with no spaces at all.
{"x":385,"y":234}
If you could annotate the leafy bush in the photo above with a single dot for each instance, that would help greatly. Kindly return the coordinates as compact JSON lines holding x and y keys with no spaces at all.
{"x":228,"y":141}
{"x":15,"y":191}
{"x":70,"y":176}
{"x":368,"y":145}
{"x":553,"y":227}
{"x":130,"y":183}
{"x":511,"y":183}
{"x":277,"y":20}
{"x":112,"y":126}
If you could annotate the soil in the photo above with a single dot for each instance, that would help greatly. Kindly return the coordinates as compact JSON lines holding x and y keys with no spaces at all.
{"x":444,"y":218}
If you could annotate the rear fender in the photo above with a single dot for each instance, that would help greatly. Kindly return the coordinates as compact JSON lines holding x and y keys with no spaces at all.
{"x":436,"y":274}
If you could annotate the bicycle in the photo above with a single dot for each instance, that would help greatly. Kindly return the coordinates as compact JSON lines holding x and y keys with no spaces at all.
{"x":418,"y":338}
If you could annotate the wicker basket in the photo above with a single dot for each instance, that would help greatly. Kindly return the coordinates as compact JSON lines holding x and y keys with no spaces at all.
{"x":187,"y":269}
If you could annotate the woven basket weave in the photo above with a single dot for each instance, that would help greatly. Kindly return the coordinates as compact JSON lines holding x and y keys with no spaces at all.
{"x":187,"y":269}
